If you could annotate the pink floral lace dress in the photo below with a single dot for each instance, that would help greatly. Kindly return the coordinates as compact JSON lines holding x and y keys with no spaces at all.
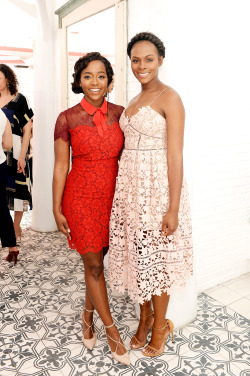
{"x":142,"y":261}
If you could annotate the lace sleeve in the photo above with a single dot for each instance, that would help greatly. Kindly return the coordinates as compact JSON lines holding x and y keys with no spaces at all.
{"x":61,"y":128}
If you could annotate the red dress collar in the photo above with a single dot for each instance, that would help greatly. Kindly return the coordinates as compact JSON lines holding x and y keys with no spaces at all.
{"x":90,"y":109}
{"x":99,"y":117}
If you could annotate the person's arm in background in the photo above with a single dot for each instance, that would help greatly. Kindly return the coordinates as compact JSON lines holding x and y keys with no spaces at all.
{"x":7,"y":138}
{"x":24,"y":148}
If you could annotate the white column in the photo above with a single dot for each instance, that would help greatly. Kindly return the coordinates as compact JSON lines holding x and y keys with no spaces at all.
{"x":44,"y":119}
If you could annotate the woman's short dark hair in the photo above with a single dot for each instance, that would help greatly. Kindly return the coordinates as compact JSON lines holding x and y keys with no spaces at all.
{"x":11,"y":78}
{"x":149,"y":37}
{"x":82,"y":63}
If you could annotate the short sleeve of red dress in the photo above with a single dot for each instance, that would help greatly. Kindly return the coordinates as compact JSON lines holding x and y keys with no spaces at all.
{"x":61,"y":128}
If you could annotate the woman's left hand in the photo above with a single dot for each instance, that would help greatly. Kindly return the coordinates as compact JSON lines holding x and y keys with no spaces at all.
{"x":21,"y":165}
{"x":169,"y":223}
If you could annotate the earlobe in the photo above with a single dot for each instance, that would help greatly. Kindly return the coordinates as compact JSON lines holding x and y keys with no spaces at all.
{"x":160,"y":61}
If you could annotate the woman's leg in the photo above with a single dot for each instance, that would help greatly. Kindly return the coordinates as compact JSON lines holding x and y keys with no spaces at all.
{"x":160,"y":304}
{"x":88,"y":317}
{"x":146,"y":322}
{"x":7,"y":234}
{"x":17,"y":222}
{"x":97,"y":293}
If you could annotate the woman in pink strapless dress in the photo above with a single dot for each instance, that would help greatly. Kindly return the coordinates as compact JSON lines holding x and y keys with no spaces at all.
{"x":150,"y":252}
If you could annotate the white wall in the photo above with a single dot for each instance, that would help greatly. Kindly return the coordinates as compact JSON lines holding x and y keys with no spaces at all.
{"x":59,"y":3}
{"x":207,"y":62}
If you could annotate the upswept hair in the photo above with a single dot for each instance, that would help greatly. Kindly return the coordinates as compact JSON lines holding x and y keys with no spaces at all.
{"x":11,"y":78}
{"x":82,"y":63}
{"x":149,"y":37}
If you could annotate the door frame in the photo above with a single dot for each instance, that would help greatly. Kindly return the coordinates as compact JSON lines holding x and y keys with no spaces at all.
{"x":86,"y":10}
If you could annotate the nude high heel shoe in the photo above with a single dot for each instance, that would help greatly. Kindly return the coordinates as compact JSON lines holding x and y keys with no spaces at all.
{"x":143,"y":343}
{"x":123,"y":359}
{"x":169,"y":324}
{"x":89,"y":343}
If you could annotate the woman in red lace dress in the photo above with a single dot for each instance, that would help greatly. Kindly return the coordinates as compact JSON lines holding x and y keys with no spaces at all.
{"x":82,"y":200}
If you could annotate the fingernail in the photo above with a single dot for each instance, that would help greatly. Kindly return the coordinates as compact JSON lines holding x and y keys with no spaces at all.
{"x":68,"y":230}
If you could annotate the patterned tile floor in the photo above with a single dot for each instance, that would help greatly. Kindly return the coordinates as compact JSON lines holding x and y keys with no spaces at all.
{"x":40,"y":327}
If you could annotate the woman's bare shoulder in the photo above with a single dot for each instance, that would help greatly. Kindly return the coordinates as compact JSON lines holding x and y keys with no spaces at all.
{"x":171,"y":98}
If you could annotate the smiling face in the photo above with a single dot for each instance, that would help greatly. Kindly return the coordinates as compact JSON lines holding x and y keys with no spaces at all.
{"x":94,"y":82}
{"x":145,"y":62}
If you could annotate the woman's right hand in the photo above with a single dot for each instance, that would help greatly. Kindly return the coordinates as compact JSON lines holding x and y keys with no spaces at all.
{"x":62,"y":224}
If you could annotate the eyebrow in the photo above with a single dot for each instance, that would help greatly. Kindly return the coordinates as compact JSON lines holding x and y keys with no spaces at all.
{"x":145,"y":56}
{"x":97,"y":72}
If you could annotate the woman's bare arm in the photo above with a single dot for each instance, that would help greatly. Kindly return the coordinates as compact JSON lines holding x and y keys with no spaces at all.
{"x":175,"y":117}
{"x":7,"y":138}
{"x":61,"y":168}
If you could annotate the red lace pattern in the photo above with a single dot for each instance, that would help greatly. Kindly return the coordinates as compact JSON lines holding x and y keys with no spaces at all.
{"x":90,"y":185}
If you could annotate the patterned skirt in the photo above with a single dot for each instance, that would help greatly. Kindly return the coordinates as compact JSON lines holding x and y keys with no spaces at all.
{"x":141,"y":260}
{"x":18,"y":185}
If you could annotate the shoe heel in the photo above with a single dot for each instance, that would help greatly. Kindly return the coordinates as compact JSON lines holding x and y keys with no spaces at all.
{"x":171,"y":328}
{"x":15,"y":257}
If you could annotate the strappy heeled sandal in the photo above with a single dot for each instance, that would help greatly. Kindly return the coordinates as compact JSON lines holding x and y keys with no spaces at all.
{"x":123,"y":359}
{"x":141,"y":344}
{"x":89,"y":343}
{"x":158,"y":352}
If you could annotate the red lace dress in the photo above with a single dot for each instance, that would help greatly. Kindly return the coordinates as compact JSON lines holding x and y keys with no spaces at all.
{"x":96,"y":140}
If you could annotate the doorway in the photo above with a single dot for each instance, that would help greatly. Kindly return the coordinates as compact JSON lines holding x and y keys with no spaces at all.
{"x":94,"y":26}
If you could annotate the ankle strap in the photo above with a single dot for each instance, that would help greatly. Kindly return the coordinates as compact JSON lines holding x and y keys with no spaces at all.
{"x":109,"y":326}
{"x":85,"y":309}
{"x":167,"y":324}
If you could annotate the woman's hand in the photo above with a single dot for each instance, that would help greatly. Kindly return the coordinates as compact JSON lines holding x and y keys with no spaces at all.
{"x":21,"y":165}
{"x":169,"y":223}
{"x":62,"y":224}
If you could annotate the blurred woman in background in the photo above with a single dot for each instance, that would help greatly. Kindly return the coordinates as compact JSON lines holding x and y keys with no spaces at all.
{"x":7,"y":233}
{"x":16,"y":108}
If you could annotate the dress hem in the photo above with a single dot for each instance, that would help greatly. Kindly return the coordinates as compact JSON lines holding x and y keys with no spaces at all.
{"x":170,"y":291}
{"x":73,"y":247}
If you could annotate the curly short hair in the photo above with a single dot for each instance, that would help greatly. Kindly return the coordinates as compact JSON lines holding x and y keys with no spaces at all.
{"x":11,"y":78}
{"x":82,"y":63}
{"x":149,"y":37}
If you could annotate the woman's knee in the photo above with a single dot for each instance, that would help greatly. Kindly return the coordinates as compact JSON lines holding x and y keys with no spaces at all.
{"x":96,"y":271}
{"x":94,"y":267}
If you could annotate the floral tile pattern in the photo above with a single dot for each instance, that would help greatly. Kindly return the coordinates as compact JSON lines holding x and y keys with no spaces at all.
{"x":41,"y":299}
